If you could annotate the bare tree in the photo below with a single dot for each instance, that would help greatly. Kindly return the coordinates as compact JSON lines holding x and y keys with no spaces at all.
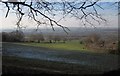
{"x":38,"y":37}
{"x":14,"y":36}
{"x":92,"y":40}
{"x":46,"y":10}
{"x":17,"y":36}
{"x":56,"y":38}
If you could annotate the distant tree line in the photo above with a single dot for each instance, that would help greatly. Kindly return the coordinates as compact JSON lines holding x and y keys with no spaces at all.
{"x":14,"y":36}
{"x":19,"y":36}
{"x":45,"y":38}
{"x":92,"y":41}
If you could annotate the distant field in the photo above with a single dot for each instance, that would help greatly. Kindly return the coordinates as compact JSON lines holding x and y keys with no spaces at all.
{"x":70,"y":45}
{"x":73,"y":45}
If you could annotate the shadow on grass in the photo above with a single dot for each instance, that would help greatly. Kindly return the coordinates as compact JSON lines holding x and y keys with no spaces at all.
{"x":15,"y":65}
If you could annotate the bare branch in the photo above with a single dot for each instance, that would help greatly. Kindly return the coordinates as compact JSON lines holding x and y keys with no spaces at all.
{"x":47,"y":9}
{"x":8,"y":9}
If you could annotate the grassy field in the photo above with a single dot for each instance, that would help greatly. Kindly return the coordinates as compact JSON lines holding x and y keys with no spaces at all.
{"x":16,"y":65}
{"x":70,"y":45}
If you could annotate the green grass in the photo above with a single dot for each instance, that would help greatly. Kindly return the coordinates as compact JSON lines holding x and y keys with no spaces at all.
{"x":16,"y":65}
{"x":70,"y":45}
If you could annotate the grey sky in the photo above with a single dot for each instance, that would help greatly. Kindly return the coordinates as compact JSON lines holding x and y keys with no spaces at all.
{"x":109,"y":13}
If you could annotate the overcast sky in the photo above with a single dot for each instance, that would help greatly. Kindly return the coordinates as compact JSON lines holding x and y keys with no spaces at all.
{"x":109,"y":13}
